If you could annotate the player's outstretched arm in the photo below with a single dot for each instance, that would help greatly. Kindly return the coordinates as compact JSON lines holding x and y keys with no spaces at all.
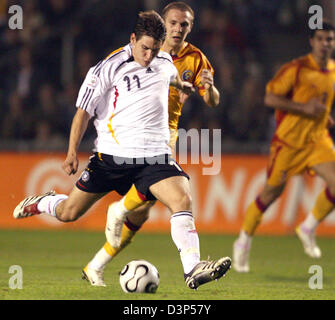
{"x":212,"y":95}
{"x":313,"y":108}
{"x":78,"y":128}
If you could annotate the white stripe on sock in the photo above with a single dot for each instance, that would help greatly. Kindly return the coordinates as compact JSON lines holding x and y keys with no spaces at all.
{"x":48,"y":204}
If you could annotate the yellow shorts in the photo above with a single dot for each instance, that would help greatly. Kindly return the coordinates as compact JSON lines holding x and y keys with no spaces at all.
{"x":286,"y":161}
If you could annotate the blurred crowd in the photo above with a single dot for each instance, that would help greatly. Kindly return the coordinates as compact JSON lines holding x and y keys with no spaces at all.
{"x":44,"y":64}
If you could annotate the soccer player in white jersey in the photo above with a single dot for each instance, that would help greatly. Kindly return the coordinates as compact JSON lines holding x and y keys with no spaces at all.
{"x":127,"y":93}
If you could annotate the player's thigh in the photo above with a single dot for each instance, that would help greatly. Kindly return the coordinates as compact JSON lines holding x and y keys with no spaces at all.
{"x":174,"y":192}
{"x":77,"y":204}
{"x":284,"y":163}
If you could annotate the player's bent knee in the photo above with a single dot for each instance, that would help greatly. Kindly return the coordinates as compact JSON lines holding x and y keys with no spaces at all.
{"x":187,"y":201}
{"x":184,"y":203}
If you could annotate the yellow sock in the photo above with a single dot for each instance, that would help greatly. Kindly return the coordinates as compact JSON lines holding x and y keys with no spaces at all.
{"x":253,"y":217}
{"x":324,"y":204}
{"x":128,"y":233}
{"x":133,"y":199}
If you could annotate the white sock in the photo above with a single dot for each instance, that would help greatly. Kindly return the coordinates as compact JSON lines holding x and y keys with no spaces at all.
{"x":48,"y":204}
{"x":185,"y":237}
{"x":244,"y":240}
{"x":100,"y":260}
{"x":310,"y":223}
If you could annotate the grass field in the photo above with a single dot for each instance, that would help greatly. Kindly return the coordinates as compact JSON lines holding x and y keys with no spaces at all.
{"x":52,"y":263}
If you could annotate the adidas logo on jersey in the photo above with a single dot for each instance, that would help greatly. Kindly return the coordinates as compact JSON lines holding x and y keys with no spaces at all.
{"x":149,"y":70}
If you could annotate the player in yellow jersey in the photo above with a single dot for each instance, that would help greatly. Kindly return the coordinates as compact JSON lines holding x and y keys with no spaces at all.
{"x":302,"y":93}
{"x":192,"y":66}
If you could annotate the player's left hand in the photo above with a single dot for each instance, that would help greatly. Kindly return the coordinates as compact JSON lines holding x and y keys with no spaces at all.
{"x":206,"y":79}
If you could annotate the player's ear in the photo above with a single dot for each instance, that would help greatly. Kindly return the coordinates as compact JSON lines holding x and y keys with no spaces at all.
{"x":132,"y":38}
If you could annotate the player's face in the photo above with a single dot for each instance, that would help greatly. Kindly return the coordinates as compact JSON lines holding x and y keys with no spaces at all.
{"x":323,"y":43}
{"x":145,"y":49}
{"x":178,"y":25}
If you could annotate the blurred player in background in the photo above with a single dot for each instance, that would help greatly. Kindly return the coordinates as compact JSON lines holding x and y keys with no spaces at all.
{"x":192,"y":66}
{"x":127,"y":93}
{"x":302,"y":93}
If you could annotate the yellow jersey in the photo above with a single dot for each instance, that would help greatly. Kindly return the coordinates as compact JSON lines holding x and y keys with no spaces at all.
{"x":300,"y":80}
{"x":190,"y":62}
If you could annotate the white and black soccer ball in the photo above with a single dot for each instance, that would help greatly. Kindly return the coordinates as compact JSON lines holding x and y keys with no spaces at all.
{"x":139,"y":276}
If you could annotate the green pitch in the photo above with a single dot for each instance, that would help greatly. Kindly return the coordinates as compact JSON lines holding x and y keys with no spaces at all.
{"x":51,"y":263}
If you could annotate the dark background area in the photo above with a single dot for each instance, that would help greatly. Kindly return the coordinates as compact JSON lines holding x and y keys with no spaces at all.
{"x":43,"y":65}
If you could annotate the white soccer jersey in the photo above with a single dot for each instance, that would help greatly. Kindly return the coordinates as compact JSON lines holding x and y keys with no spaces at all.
{"x":129,"y":103}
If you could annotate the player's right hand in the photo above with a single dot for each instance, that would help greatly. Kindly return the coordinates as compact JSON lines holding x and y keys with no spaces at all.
{"x":71,"y":163}
{"x":314,"y":107}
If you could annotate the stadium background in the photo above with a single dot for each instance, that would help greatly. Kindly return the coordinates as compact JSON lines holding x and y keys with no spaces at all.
{"x":43,"y":66}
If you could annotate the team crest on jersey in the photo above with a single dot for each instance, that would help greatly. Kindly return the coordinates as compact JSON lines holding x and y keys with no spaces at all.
{"x":187,"y":75}
{"x":93,"y":81}
{"x":85,"y":176}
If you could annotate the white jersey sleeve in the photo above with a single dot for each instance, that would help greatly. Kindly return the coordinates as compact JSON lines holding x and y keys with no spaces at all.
{"x":174,"y":73}
{"x":97,"y":82}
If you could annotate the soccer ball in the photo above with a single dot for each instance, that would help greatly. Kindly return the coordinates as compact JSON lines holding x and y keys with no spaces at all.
{"x":139,"y":276}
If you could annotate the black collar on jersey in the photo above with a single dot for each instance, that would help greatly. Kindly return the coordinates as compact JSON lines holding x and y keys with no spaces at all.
{"x":130,"y":59}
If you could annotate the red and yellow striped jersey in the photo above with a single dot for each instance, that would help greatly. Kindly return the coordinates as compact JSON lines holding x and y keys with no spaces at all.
{"x":300,"y":80}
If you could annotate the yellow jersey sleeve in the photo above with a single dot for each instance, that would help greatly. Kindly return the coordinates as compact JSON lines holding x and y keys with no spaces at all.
{"x":284,"y":80}
{"x":189,"y":62}
{"x":203,"y":64}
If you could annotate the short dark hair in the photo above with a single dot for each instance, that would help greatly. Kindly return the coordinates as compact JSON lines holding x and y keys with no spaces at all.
{"x":326,"y":25}
{"x":150,"y":23}
{"x":179,"y":5}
